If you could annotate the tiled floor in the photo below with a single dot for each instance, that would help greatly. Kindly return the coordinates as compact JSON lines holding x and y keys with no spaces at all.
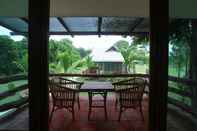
{"x":130,"y":121}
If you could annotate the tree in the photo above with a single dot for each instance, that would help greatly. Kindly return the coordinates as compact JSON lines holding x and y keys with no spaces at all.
{"x":65,"y":58}
{"x":132,"y":54}
{"x":8,"y":57}
{"x":180,"y":41}
{"x":22,"y":51}
{"x":178,"y":54}
{"x":83,"y":52}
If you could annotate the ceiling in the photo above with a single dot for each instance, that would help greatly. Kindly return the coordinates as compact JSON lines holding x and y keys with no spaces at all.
{"x":92,"y":17}
{"x":132,"y":8}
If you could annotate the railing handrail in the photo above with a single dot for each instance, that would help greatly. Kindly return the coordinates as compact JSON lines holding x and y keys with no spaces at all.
{"x":8,"y":93}
{"x":186,"y":81}
{"x":100,"y":75}
{"x":19,"y":103}
{"x":6,"y":79}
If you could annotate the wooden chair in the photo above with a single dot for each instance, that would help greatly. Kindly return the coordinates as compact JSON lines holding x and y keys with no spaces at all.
{"x":73,"y":85}
{"x":129,"y":94}
{"x":63,"y":95}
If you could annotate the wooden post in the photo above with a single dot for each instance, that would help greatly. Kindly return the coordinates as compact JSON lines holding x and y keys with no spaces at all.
{"x":158,"y":64}
{"x":38,"y":64}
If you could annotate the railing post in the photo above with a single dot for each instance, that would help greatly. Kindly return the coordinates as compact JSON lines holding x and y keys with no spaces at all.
{"x":38,"y":64}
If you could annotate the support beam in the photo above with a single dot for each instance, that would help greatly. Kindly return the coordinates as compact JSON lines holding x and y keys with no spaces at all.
{"x":8,"y":27}
{"x":25,"y":20}
{"x":38,"y":64}
{"x":158,"y":64}
{"x":136,"y":23}
{"x":89,"y":33}
{"x":99,"y":26}
{"x":64,"y":25}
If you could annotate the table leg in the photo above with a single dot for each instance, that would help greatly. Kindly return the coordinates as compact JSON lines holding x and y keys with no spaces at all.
{"x":90,"y":104}
{"x":105,"y":105}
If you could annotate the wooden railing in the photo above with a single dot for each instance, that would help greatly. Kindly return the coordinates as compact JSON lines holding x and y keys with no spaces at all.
{"x":100,"y":75}
{"x":18,"y":104}
{"x":184,"y":89}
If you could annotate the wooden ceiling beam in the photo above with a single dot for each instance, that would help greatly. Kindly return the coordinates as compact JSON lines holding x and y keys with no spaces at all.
{"x":99,"y":26}
{"x":24,"y":19}
{"x":137,"y":22}
{"x":8,"y":27}
{"x":90,"y":33}
{"x":64,"y":25}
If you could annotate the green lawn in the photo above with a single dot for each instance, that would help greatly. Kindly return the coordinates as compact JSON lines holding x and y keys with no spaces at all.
{"x":174,"y":72}
{"x":141,"y":68}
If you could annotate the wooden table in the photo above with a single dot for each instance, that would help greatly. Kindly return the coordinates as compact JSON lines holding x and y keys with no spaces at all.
{"x":94,"y":88}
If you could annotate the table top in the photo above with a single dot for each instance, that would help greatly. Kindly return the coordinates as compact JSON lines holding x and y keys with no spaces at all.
{"x":97,"y":86}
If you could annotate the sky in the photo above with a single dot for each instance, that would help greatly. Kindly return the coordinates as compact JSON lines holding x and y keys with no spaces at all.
{"x":94,"y":43}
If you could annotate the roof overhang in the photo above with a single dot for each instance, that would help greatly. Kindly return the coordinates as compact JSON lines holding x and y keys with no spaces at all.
{"x":83,"y":25}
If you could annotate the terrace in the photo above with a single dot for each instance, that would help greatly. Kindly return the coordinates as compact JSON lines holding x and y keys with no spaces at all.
{"x":24,"y":100}
{"x":131,"y":120}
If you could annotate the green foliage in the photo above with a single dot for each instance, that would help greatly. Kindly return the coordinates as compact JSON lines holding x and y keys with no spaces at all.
{"x":11,"y":86}
{"x":179,"y":55}
{"x":132,"y":53}
{"x":9,"y":56}
{"x":180,"y":42}
{"x":22,"y":50}
{"x":14,"y":58}
{"x":65,"y":58}
{"x":180,"y":29}
{"x":83,"y":53}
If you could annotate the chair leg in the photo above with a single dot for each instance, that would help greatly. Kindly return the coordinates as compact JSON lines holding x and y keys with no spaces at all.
{"x":141,"y":112}
{"x":78,"y":101}
{"x":51,"y":115}
{"x":120,"y":113}
{"x":73,"y":114}
{"x":105,"y":105}
{"x":116,"y":103}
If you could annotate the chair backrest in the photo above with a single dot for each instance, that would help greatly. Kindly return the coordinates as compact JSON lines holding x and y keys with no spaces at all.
{"x":70,"y":83}
{"x":62,"y":96}
{"x":131,"y":91}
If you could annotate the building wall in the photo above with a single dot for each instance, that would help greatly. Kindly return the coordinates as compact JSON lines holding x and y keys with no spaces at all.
{"x":111,"y":67}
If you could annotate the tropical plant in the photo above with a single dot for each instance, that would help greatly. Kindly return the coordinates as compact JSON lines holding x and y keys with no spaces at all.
{"x":132,"y":53}
{"x":65,"y":58}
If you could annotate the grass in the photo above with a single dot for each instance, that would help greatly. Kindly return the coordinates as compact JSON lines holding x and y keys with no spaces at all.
{"x":174,"y":72}
{"x":141,"y":68}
